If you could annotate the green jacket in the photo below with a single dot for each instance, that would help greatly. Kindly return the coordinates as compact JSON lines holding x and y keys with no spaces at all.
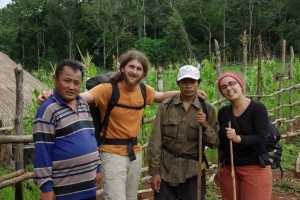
{"x":176,"y":131}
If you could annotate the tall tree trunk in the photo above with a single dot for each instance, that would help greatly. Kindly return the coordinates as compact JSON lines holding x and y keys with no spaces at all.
{"x":224,"y":32}
{"x":144,"y":17}
{"x":23,"y":45}
{"x":209,"y":44}
{"x":104,"y":52}
{"x":244,"y":69}
{"x":70,"y":34}
{"x":250,"y":31}
{"x":259,"y":69}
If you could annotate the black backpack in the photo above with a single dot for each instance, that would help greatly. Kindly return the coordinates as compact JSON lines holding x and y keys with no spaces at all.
{"x":96,"y":115}
{"x":274,"y":148}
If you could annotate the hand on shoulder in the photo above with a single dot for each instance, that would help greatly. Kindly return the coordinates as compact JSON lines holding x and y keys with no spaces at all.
{"x":44,"y":95}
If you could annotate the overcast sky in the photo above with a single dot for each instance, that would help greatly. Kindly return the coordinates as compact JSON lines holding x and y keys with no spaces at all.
{"x":4,"y":2}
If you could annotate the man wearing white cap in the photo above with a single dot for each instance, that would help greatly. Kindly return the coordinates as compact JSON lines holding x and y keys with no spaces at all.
{"x":173,"y":146}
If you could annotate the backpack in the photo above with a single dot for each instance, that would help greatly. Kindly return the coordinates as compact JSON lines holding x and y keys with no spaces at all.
{"x":95,"y":112}
{"x":274,"y":148}
{"x":272,"y":145}
{"x":204,"y":108}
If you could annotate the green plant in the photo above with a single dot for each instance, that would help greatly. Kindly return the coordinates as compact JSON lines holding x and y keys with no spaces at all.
{"x":31,"y":191}
{"x":290,"y":152}
{"x":28,"y":119}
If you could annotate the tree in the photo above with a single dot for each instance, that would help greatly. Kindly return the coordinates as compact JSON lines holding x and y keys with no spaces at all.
{"x":106,"y":17}
{"x":66,"y":14}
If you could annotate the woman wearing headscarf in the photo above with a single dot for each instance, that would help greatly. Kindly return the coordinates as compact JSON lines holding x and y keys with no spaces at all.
{"x":248,"y":132}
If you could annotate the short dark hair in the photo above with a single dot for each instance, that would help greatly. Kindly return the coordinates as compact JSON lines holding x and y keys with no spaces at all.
{"x":75,"y":65}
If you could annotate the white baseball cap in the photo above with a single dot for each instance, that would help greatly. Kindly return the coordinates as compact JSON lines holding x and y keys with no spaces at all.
{"x":188,"y":71}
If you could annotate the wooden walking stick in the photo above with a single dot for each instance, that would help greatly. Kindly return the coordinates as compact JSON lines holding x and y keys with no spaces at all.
{"x":200,"y":165}
{"x":232,"y":166}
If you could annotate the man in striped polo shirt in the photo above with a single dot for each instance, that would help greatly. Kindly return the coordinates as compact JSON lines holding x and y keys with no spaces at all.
{"x":66,"y":164}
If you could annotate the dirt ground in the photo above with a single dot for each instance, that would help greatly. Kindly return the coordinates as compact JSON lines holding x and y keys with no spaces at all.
{"x":288,"y":177}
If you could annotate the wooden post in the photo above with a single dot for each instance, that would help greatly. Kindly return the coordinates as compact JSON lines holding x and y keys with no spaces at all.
{"x":291,"y":77}
{"x":19,"y":128}
{"x":218,"y":58}
{"x":218,"y":66}
{"x":281,"y":79}
{"x":160,"y":84}
{"x":259,"y":73}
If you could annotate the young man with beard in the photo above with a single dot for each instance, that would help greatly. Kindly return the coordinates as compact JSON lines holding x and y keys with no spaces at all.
{"x":120,"y":174}
{"x":173,"y":145}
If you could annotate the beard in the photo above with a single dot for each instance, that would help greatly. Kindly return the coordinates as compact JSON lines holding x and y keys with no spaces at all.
{"x":130,"y":83}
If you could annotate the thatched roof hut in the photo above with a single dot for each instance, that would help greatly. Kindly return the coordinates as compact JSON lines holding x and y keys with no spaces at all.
{"x":8,"y":90}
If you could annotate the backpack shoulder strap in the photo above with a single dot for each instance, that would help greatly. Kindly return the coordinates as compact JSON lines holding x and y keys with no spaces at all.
{"x":170,"y":102}
{"x":144,"y":92}
{"x":204,"y":107}
{"x":112,"y":102}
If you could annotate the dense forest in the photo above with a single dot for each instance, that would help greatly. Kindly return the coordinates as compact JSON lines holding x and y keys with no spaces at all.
{"x":35,"y":33}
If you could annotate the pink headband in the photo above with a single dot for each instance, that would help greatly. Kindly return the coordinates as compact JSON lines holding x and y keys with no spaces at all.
{"x":232,"y":75}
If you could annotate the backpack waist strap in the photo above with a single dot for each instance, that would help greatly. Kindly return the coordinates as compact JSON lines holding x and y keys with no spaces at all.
{"x":129,"y":142}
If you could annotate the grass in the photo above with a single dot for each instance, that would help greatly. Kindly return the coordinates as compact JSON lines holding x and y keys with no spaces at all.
{"x":31,"y":191}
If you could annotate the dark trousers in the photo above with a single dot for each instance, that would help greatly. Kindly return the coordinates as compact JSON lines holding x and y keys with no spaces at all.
{"x":184,"y":191}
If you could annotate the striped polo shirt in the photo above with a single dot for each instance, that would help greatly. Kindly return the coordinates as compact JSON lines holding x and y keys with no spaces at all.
{"x":66,"y":154}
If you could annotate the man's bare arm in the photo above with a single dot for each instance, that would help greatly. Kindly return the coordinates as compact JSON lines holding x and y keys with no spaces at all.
{"x":159,"y":96}
{"x":88,"y":97}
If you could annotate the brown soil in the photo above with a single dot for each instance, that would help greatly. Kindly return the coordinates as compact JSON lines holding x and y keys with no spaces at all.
{"x":277,"y":194}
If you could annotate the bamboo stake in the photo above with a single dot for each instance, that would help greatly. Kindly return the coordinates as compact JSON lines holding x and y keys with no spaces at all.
{"x":232,"y":166}
{"x":291,"y":77}
{"x":160,"y":85}
{"x":199,"y":185}
{"x":281,"y":78}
